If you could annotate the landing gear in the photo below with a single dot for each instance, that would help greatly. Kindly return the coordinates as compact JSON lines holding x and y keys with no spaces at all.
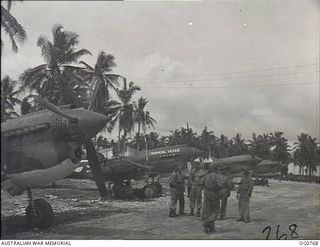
{"x":122,"y":189}
{"x":152,"y":189}
{"x":149,"y":191}
{"x":158,"y":187}
{"x":39,"y":212}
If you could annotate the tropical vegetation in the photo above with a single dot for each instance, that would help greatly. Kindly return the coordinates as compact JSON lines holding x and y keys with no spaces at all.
{"x":65,"y":79}
{"x":11,"y":27}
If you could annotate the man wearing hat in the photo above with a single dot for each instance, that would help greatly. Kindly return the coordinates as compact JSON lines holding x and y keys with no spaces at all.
{"x":212,"y":185}
{"x":225,"y":191}
{"x":244,"y":194}
{"x":196,"y":188}
{"x":177,"y":184}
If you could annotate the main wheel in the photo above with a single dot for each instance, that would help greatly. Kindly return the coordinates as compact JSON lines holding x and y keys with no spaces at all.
{"x":158,"y":187}
{"x":126,"y":191}
{"x":42,"y":216}
{"x":149,"y":191}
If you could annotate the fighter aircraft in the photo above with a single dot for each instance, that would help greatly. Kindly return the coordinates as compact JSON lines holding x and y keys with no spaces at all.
{"x":136,"y":164}
{"x":42,"y":147}
{"x":236,"y":163}
{"x":268,"y":167}
{"x":257,"y":166}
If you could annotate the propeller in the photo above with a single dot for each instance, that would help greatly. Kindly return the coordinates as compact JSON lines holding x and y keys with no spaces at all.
{"x":95,"y":167}
{"x":92,"y":155}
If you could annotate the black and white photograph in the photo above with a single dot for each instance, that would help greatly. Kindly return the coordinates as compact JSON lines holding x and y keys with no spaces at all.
{"x":160,"y":120}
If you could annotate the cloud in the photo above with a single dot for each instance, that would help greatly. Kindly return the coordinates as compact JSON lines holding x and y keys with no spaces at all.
{"x":176,"y":64}
{"x":13,"y":63}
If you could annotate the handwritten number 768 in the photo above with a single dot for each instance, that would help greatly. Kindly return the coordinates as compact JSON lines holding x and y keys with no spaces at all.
{"x":292,"y":229}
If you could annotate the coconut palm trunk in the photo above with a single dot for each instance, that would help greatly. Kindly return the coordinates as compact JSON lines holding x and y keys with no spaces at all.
{"x":138,"y":136}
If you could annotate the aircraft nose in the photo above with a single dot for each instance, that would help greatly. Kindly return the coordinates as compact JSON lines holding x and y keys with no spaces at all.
{"x":91,"y":123}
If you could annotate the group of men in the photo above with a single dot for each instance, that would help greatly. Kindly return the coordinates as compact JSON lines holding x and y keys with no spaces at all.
{"x":215,"y":184}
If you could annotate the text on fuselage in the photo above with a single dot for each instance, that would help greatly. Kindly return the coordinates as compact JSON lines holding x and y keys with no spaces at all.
{"x":170,"y":151}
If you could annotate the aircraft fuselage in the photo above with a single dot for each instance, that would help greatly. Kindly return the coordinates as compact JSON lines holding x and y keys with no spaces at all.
{"x":155,"y":161}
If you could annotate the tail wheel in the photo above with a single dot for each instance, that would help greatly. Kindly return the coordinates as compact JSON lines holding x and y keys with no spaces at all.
{"x":41,"y":216}
{"x":149,"y":191}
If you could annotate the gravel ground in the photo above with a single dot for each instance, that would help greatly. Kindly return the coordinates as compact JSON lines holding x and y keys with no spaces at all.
{"x":80,"y":214}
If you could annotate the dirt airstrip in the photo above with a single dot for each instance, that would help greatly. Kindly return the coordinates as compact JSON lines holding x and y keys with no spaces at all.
{"x":79,"y":214}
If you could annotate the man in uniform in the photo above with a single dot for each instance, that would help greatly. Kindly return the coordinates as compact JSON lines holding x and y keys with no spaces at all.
{"x":225,"y":191}
{"x":176,"y":183}
{"x":244,"y":194}
{"x":196,"y":188}
{"x":211,"y":205}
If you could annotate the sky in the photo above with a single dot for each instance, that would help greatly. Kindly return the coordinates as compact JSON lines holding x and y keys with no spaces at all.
{"x":233,"y":66}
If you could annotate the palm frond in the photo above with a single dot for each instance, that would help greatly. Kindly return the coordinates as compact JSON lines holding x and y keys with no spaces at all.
{"x":72,"y":57}
{"x":87,"y":66}
{"x":32,"y":76}
{"x":13,"y":29}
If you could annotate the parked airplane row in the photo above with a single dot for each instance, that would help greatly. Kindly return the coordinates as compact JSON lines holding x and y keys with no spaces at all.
{"x":45,"y":146}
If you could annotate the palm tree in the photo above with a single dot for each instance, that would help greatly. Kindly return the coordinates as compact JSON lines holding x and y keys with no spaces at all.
{"x":101,"y":80}
{"x":123,"y":112}
{"x":58,"y":55}
{"x":12,"y":27}
{"x":8,"y":99}
{"x":280,"y":148}
{"x":208,"y":141}
{"x":306,"y":153}
{"x":153,"y":140}
{"x":126,"y":120}
{"x":238,"y":145}
{"x":142,"y":117}
{"x":260,"y":146}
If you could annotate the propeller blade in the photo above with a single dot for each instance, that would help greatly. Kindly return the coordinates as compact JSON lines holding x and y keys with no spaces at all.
{"x":55,"y":109}
{"x":96,"y":170}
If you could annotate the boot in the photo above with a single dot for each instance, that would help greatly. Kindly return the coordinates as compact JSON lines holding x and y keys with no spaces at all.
{"x":240,"y":219}
{"x":172,"y":213}
{"x":247,"y":220}
{"x":212,"y":227}
{"x":181,"y":210}
{"x":191,"y":212}
{"x":198,"y":213}
{"x":206,"y":227}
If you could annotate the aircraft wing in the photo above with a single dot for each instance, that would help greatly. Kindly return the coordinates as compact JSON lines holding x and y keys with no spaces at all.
{"x":123,"y":168}
{"x":138,"y":164}
{"x":15,"y":184}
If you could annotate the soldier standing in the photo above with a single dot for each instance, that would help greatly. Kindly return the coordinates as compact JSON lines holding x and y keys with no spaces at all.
{"x":211,"y":205}
{"x":227,"y":184}
{"x":176,"y":183}
{"x":244,"y":194}
{"x":196,"y":188}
